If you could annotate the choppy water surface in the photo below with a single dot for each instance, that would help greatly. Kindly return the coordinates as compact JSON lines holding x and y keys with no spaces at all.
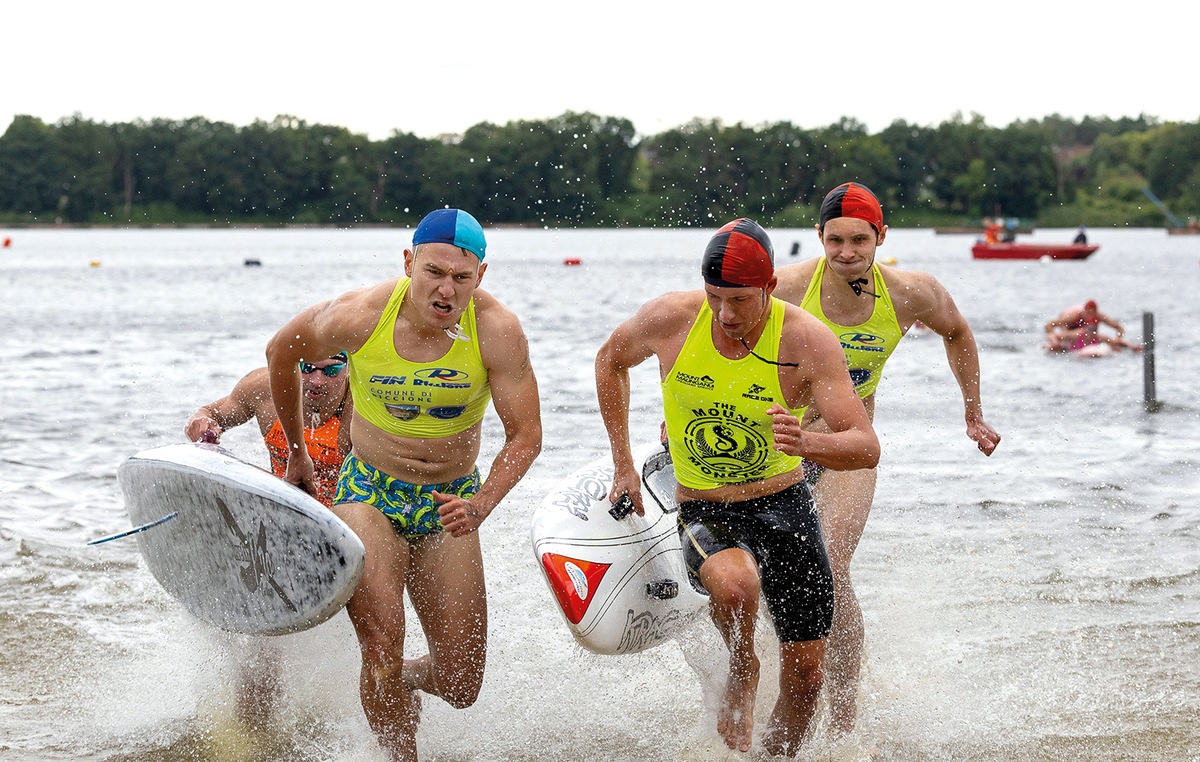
{"x":1043,"y":604}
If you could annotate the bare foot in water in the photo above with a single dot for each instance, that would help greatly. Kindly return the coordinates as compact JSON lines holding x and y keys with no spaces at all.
{"x":779,"y":742}
{"x":393,"y":711}
{"x":735,"y":718}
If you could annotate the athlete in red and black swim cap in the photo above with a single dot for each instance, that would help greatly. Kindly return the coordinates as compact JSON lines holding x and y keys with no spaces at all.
{"x":739,"y":255}
{"x":868,"y":306}
{"x":733,"y":429}
{"x":852,"y":200}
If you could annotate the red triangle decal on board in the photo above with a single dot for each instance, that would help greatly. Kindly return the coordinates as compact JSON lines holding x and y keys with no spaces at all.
{"x":573,"y":581}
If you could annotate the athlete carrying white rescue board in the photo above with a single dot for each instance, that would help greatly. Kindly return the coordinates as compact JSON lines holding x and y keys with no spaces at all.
{"x":236,"y":546}
{"x":618,"y":578}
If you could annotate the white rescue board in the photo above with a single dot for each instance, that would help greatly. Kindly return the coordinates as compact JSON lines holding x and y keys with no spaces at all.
{"x":236,"y":546}
{"x":620,"y":584}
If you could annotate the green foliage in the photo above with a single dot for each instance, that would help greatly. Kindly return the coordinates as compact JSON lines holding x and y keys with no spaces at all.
{"x":1172,"y":159}
{"x":583,"y":170}
{"x":31,"y":169}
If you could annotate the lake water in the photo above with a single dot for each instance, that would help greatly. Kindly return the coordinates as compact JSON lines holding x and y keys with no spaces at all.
{"x":1042,"y":604}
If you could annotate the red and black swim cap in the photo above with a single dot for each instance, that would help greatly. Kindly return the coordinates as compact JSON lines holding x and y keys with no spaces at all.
{"x":852,"y":200}
{"x":739,"y":256}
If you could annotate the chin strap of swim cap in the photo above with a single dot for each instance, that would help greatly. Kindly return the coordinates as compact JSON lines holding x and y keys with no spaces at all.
{"x":857,"y":285}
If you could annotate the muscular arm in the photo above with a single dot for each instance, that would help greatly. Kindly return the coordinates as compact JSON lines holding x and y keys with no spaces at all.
{"x":851,"y":442}
{"x":1111,"y":323}
{"x":792,"y":281}
{"x":319,"y":331}
{"x":249,"y":396}
{"x":630,"y":344}
{"x":515,"y":398}
{"x":1064,"y":320}
{"x":935,"y":308}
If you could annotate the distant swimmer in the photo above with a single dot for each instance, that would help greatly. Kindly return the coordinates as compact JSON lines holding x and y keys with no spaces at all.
{"x":1078,"y":328}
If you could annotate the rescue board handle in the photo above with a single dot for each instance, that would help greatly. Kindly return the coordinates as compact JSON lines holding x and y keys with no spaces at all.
{"x":663,"y":590}
{"x":622,"y":508}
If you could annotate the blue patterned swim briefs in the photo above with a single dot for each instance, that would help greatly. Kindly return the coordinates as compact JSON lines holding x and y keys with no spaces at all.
{"x":812,"y":471}
{"x":411,"y":507}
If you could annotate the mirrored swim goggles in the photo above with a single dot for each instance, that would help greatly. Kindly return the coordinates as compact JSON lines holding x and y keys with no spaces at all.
{"x":329,"y":370}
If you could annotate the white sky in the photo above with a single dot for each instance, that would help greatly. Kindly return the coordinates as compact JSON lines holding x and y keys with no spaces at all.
{"x":441,"y":66}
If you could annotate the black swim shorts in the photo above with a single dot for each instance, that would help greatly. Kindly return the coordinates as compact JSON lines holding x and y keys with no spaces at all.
{"x":783,"y":533}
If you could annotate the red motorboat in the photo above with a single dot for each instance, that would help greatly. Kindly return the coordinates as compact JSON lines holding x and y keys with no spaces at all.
{"x":983,"y":250}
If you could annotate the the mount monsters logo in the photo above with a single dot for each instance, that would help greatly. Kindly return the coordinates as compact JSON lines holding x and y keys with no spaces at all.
{"x":726,"y":448}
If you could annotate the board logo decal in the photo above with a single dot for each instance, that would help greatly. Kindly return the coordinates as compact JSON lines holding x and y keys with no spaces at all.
{"x":700,"y":382}
{"x":578,"y":579}
{"x":643,"y":629}
{"x":862,"y":342}
{"x":755,"y":392}
{"x":591,"y":486}
{"x":257,"y":557}
{"x":442,"y":374}
{"x":572,"y":580}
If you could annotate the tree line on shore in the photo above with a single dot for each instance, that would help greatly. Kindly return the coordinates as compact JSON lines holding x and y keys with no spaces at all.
{"x":587,"y":170}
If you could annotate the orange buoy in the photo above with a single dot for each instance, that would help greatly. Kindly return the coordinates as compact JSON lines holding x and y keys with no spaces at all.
{"x":572,"y":261}
{"x":7,"y":242}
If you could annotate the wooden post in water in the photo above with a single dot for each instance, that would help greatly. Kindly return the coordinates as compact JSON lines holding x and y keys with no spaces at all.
{"x":1149,"y":394}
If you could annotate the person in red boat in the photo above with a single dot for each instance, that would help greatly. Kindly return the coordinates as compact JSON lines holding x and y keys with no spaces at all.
{"x":991,"y":230}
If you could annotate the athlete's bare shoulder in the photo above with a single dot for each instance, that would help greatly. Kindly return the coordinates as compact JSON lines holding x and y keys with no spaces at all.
{"x":668,"y":313}
{"x":493,"y":317}
{"x":360,"y":304}
{"x":373,"y":297}
{"x":803,"y":328}
{"x":914,"y":293}
{"x":918,"y":297}
{"x":658,"y":326}
{"x":348,"y":320}
{"x":253,"y":392}
{"x":487,"y":303}
{"x":792,"y":280}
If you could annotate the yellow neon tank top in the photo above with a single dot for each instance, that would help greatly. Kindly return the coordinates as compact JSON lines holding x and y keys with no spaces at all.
{"x":715,"y":409}
{"x":423,"y":400}
{"x":867,"y":345}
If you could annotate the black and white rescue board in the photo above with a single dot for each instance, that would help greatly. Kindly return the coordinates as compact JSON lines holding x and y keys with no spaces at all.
{"x":236,"y":546}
